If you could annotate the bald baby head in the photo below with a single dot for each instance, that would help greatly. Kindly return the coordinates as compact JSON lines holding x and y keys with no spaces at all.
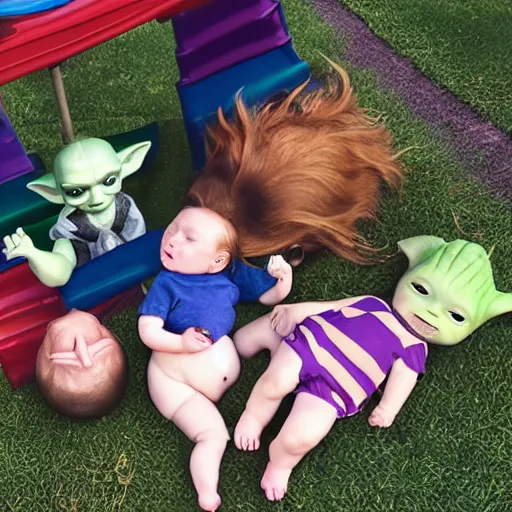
{"x":81,"y":368}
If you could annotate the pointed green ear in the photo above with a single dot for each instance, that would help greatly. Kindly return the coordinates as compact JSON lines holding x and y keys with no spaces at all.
{"x":45,"y":186}
{"x":419,"y":248}
{"x":501,"y":304}
{"x":132,"y":157}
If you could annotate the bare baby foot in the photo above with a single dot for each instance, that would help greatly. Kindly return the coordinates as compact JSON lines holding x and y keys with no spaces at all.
{"x":247,"y":432}
{"x":275,"y":482}
{"x":209,"y":501}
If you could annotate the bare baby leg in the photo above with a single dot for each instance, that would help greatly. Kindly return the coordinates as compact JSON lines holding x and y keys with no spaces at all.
{"x":279,"y":379}
{"x":309,"y":421}
{"x":255,"y":337}
{"x":199,"y":419}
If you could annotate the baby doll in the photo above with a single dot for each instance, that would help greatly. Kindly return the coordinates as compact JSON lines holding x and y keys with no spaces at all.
{"x":97,"y":217}
{"x":336,"y":354}
{"x":81,"y":369}
{"x":185,"y":320}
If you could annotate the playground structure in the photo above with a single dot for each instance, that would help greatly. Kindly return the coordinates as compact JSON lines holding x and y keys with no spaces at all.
{"x":223,"y":47}
{"x":14,"y":161}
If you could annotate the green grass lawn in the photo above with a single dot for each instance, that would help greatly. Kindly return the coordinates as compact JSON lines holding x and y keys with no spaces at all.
{"x":463,"y":45}
{"x":451,"y":447}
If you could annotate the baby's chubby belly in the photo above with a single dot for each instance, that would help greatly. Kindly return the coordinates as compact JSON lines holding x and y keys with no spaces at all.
{"x":211,"y":372}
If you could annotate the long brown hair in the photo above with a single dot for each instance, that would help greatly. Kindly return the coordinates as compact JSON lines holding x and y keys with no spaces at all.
{"x":300,"y":171}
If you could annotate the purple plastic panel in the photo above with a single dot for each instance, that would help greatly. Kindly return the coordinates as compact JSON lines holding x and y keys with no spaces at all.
{"x":224,"y":33}
{"x":13,"y":160}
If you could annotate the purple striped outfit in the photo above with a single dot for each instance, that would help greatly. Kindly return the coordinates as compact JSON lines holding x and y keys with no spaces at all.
{"x":345,"y":359}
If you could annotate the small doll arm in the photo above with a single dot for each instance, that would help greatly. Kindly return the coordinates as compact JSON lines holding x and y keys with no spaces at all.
{"x":154,"y":336}
{"x":282,"y":271}
{"x":53,"y":268}
{"x":401,"y":382}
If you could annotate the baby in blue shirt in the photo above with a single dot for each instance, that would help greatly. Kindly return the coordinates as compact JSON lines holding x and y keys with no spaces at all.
{"x":185,"y":319}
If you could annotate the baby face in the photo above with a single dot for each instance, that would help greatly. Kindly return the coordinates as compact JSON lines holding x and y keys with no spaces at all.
{"x":190,"y":244}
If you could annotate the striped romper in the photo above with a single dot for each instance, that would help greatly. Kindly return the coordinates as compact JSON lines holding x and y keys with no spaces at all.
{"x":345,"y":359}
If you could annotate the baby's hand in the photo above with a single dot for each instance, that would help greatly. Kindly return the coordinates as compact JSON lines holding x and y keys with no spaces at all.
{"x":18,"y":244}
{"x":380,"y":417}
{"x":194,"y":341}
{"x":277,"y":267}
{"x":282,"y":319}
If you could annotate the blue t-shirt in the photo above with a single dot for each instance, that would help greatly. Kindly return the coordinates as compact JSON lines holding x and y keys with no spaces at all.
{"x":192,"y":300}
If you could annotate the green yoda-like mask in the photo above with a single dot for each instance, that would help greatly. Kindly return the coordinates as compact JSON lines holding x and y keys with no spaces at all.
{"x":448,"y":290}
{"x":87,"y":174}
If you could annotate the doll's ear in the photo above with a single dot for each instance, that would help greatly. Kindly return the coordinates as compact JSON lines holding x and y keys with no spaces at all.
{"x":501,"y":304}
{"x":419,"y":248}
{"x":132,"y":158}
{"x":46,"y":187}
